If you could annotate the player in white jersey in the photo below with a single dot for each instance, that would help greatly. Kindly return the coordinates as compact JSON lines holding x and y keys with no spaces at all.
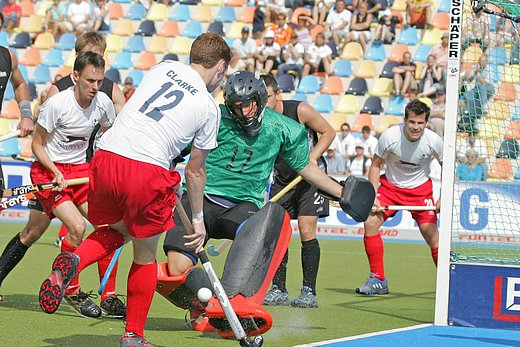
{"x":407,"y":150}
{"x":132,"y":190}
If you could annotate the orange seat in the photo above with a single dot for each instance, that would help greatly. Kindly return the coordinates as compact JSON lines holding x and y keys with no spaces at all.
{"x":32,"y":57}
{"x":506,"y":92}
{"x":26,"y":152}
{"x":472,"y":54}
{"x":115,"y":11}
{"x":441,"y":20}
{"x":399,"y":17}
{"x":333,"y":85}
{"x":235,"y":3}
{"x":64,"y":71}
{"x":299,"y":11}
{"x":247,"y":15}
{"x":27,"y":7}
{"x":12,"y":111}
{"x":318,"y":28}
{"x":170,"y":28}
{"x":363,"y":119}
{"x":501,"y":169}
{"x":513,"y":130}
{"x":146,"y":61}
{"x":396,"y":54}
{"x":466,"y":67}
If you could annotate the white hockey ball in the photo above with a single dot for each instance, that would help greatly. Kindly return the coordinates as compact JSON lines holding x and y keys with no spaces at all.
{"x":204,"y":294}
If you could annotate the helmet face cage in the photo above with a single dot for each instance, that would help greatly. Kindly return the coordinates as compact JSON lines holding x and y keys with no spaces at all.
{"x":242,"y":89}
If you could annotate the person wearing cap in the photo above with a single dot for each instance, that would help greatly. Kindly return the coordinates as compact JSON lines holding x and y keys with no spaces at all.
{"x":268,"y":54}
{"x":335,"y":164}
{"x":438,"y":112}
{"x":245,"y":48}
{"x":440,"y":51}
{"x":128,"y":88}
{"x":385,"y":30}
{"x":359,"y":164}
{"x":430,"y":77}
{"x":292,"y":53}
{"x":368,"y":140}
{"x":282,"y":30}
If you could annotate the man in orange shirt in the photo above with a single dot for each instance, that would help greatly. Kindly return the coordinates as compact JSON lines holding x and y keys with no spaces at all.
{"x":282,"y":30}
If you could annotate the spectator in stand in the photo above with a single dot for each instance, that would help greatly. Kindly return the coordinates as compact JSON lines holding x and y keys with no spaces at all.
{"x":101,"y":16}
{"x":335,"y":163}
{"x":483,"y":89}
{"x":321,"y":9}
{"x":318,"y":57}
{"x":385,"y":30}
{"x":344,"y":142}
{"x":235,"y":64}
{"x":404,"y":75}
{"x":359,"y":164}
{"x":54,"y":18}
{"x":368,"y":141}
{"x":476,"y":30}
{"x":338,"y":22}
{"x":78,"y":17}
{"x":475,"y":143}
{"x":274,"y":8}
{"x":440,"y":51}
{"x":282,"y":30}
{"x":12,"y":13}
{"x":360,"y":27}
{"x":245,"y":48}
{"x":438,"y":112}
{"x":419,"y":13}
{"x":292,"y":54}
{"x":303,"y":30}
{"x":470,"y":170}
{"x":430,"y":78}
{"x":374,"y":6}
{"x":268,"y":54}
{"x":128,"y":88}
{"x":258,"y":22}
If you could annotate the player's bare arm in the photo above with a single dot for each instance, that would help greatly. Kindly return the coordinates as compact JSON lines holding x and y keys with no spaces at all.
{"x":39,"y":140}
{"x":313,"y":174}
{"x":310,"y":117}
{"x":374,"y":174}
{"x":118,"y":98}
{"x":21,"y":91}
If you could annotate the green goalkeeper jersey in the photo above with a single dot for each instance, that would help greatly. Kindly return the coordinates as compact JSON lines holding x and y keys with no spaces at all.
{"x":239,"y":168}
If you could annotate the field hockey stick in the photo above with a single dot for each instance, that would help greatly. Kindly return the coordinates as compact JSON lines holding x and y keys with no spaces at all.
{"x":215,"y":252}
{"x":221,"y":295}
{"x":406,"y":208}
{"x":32,"y":188}
{"x":10,"y":135}
{"x":110,"y":268}
{"x":16,"y":200}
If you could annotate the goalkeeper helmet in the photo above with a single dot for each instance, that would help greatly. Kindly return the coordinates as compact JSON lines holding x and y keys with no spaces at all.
{"x":245,"y":97}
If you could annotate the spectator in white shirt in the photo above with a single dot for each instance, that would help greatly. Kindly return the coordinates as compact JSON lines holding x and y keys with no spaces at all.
{"x":268,"y":54}
{"x":345,"y":142}
{"x":292,"y":53}
{"x":368,"y":141}
{"x":318,"y":57}
{"x":338,"y":22}
{"x":78,"y":17}
{"x":359,"y":164}
{"x":335,"y":163}
{"x":246,"y":49}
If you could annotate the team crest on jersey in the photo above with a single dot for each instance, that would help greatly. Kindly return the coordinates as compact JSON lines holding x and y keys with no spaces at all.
{"x":3,"y":74}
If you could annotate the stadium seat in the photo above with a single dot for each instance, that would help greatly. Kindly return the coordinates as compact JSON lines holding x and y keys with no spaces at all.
{"x":516,"y":112}
{"x":158,"y":12}
{"x":213,"y":2}
{"x":226,"y":14}
{"x":348,"y":104}
{"x":382,"y":87}
{"x":216,"y":27}
{"x":146,"y":28}
{"x":181,"y":13}
{"x":158,"y":44}
{"x":299,"y":11}
{"x":44,"y":41}
{"x":64,"y":71}
{"x":427,"y":101}
{"x":137,"y":76}
{"x":136,"y":11}
{"x":170,"y":28}
{"x":399,"y":16}
{"x":235,"y":3}
{"x":235,"y":32}
{"x":181,"y":45}
{"x":41,"y":75}
{"x":358,"y":86}
{"x":33,"y":24}
{"x":418,"y":68}
{"x":123,"y":1}
{"x":396,"y":106}
{"x":361,"y":120}
{"x":4,"y":39}
{"x":31,"y":57}
{"x":114,"y":43}
{"x":113,"y":75}
{"x":135,"y":44}
{"x":318,"y":28}
{"x":332,"y":85}
{"x":189,"y":2}
{"x":366,"y":69}
{"x":171,"y":56}
{"x":66,"y":42}
{"x":124,"y":27}
{"x":202,"y":13}
{"x":501,"y":169}
{"x":513,"y":131}
{"x":511,"y":74}
{"x":409,"y":36}
{"x":323,"y":103}
{"x":192,"y":29}
{"x":499,"y":110}
{"x":432,"y":36}
{"x":300,"y":97}
{"x":286,"y":83}
{"x":5,"y":126}
{"x":491,"y":128}
{"x":441,"y":20}
{"x":396,"y":54}
{"x":9,"y":92}
{"x":445,"y":6}
{"x":115,"y":11}
{"x":9,"y":147}
{"x":342,"y":68}
{"x":509,"y":149}
{"x":492,"y":70}
{"x":515,"y":53}
{"x":421,"y":53}
{"x":54,"y":58}
{"x":352,"y":51}
{"x":373,"y":105}
{"x":247,"y":15}
{"x":386,"y":122}
{"x":399,"y":5}
{"x":146,"y":61}
{"x":42,"y":7}
{"x":387,"y":69}
{"x":376,"y":52}
{"x":309,"y":85}
{"x":11,"y":111}
{"x":337,"y":119}
{"x":21,"y":40}
{"x":123,"y":60}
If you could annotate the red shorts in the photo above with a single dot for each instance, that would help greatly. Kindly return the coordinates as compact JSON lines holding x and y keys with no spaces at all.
{"x":388,"y":194}
{"x":50,"y":199}
{"x":142,"y":195}
{"x":418,"y":18}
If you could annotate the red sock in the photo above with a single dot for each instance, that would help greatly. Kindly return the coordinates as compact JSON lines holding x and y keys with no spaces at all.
{"x":74,"y":284}
{"x":142,"y":281}
{"x":375,"y":252}
{"x":435,"y":254}
{"x":102,"y":242}
{"x":110,"y":288}
{"x":63,"y":231}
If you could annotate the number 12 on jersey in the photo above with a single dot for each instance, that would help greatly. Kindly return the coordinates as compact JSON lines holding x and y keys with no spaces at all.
{"x":154,"y":111}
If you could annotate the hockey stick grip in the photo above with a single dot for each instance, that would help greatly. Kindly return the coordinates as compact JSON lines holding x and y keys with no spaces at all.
{"x":10,"y":135}
{"x":290,"y":186}
{"x":31,"y":188}
{"x":110,"y":268}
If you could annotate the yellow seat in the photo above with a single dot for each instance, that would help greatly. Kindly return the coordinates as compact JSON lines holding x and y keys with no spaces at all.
{"x":499,"y":110}
{"x":337,"y":119}
{"x":491,"y":128}
{"x":348,"y":104}
{"x":472,"y":54}
{"x":158,"y":45}
{"x":157,"y":12}
{"x":366,"y":69}
{"x":352,"y":51}
{"x":42,"y":8}
{"x":202,"y":13}
{"x":33,"y":24}
{"x":427,"y":101}
{"x":235,"y":32}
{"x":44,"y":41}
{"x":399,"y":5}
{"x":382,"y":87}
{"x":114,"y":43}
{"x":181,"y":45}
{"x":511,"y":74}
{"x":213,"y":2}
{"x":70,"y":60}
{"x":386,"y":122}
{"x":125,"y":27}
{"x":5,"y":127}
{"x":432,"y":37}
{"x":418,"y":68}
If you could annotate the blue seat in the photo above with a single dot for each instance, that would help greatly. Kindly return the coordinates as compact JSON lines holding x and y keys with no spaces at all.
{"x":229,"y":41}
{"x":22,"y":40}
{"x":136,"y":12}
{"x":113,"y":75}
{"x":497,"y":56}
{"x":515,"y":53}
{"x":54,"y":58}
{"x":33,"y":92}
{"x":181,"y":13}
{"x":396,"y":106}
{"x":376,"y":52}
{"x":422,"y":52}
{"x":387,"y":69}
{"x":373,"y":105}
{"x":286,"y":83}
{"x":41,"y":75}
{"x":123,"y":60}
{"x":192,"y":29}
{"x":9,"y":147}
{"x":226,"y":14}
{"x":492,"y":70}
{"x":516,"y":112}
{"x":409,"y":36}
{"x":24,"y":71}
{"x":4,"y":39}
{"x":146,"y":28}
{"x":358,"y":86}
{"x":342,"y":68}
{"x":445,"y":6}
{"x":9,"y":92}
{"x":137,"y":76}
{"x":66,"y":42}
{"x":135,"y":44}
{"x":309,"y":85}
{"x":300,"y":97}
{"x":217,"y":28}
{"x":492,"y":24}
{"x":123,"y":1}
{"x":323,"y":103}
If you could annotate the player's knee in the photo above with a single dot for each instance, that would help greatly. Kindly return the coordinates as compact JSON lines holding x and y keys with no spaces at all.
{"x":31,"y":233}
{"x":178,"y":263}
{"x":77,"y":230}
